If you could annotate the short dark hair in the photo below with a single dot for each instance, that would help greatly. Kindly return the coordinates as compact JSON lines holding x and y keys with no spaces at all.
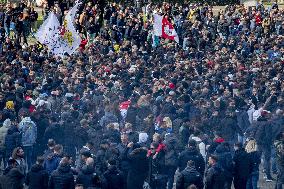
{"x":214,"y":157}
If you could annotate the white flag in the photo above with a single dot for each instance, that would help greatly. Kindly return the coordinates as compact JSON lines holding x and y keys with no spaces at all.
{"x":60,"y":39}
{"x":70,"y":37}
{"x":48,"y":34}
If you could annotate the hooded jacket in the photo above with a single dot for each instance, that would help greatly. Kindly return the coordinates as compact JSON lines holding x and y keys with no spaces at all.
{"x":28,"y":130}
{"x":37,"y":177}
{"x":4,"y":131}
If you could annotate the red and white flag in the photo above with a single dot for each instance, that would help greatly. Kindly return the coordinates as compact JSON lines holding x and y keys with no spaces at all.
{"x":164,"y":28}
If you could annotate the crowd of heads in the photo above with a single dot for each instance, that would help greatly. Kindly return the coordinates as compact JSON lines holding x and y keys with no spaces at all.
{"x":120,"y":81}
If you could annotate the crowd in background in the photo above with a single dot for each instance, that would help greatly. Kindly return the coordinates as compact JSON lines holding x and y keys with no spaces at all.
{"x":129,"y":110}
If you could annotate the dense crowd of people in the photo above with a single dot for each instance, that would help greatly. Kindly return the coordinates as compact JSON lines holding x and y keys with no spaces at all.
{"x":129,"y":110}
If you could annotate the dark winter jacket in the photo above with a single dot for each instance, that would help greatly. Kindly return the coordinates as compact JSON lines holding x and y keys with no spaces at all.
{"x":113,"y":178}
{"x":243,"y":120}
{"x":138,"y":169}
{"x":37,"y":177}
{"x":62,"y":178}
{"x":241,"y":164}
{"x":124,"y":164}
{"x":229,"y":128}
{"x":171,"y":154}
{"x":86,"y":176}
{"x":107,"y":119}
{"x":225,"y":160}
{"x":188,"y":177}
{"x":214,"y":177}
{"x":263,"y":132}
{"x":14,"y":179}
{"x":54,"y":131}
{"x":255,"y":160}
{"x":194,"y":155}
{"x":12,"y":140}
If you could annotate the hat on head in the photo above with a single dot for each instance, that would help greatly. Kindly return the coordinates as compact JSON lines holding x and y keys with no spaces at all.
{"x":143,"y":137}
{"x":172,"y":86}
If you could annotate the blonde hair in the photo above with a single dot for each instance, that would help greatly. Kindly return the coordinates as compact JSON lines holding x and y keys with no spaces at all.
{"x":251,"y":146}
{"x":168,"y":122}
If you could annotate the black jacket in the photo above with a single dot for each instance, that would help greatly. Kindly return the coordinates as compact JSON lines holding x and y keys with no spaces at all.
{"x":214,"y":177}
{"x":86,"y":177}
{"x":194,"y":155}
{"x":263,"y":132}
{"x":12,"y":140}
{"x":241,"y":164}
{"x":138,"y":169}
{"x":188,"y":177}
{"x":37,"y":177}
{"x":113,"y":178}
{"x":255,"y":160}
{"x":62,"y":178}
{"x":12,"y":180}
{"x":225,"y":160}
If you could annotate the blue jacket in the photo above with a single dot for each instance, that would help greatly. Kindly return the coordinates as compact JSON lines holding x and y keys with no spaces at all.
{"x":52,"y":163}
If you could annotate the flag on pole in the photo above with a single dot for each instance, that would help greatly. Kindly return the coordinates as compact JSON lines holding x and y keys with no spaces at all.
{"x":163,"y":28}
{"x":69,"y":36}
{"x":60,"y":39}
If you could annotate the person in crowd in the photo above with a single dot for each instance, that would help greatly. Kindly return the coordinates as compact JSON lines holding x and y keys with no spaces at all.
{"x":87,"y":177}
{"x":82,"y":160}
{"x":279,"y":157}
{"x":139,"y":167}
{"x":12,"y":177}
{"x":3,"y":133}
{"x":50,"y":145}
{"x":241,"y":166}
{"x":157,"y":172}
{"x":18,"y":155}
{"x":214,"y":176}
{"x":113,"y":177}
{"x":191,"y":153}
{"x":255,"y":160}
{"x":52,"y":160}
{"x":12,"y":140}
{"x":28,"y":131}
{"x":223,"y":153}
{"x":189,"y":176}
{"x":37,"y":177}
{"x":62,"y":177}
